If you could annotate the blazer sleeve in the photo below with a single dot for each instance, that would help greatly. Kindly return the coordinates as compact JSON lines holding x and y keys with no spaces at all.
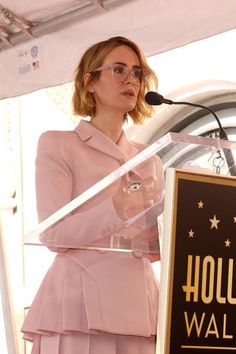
{"x":54,"y":183}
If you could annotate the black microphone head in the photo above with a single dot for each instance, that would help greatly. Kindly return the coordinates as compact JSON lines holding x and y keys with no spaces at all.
{"x":153,"y":98}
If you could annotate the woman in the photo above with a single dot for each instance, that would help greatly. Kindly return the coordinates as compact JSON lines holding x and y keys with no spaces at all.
{"x":90,"y":301}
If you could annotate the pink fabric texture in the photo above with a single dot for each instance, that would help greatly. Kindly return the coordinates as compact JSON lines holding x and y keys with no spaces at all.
{"x":89,"y":292}
{"x":99,"y":344}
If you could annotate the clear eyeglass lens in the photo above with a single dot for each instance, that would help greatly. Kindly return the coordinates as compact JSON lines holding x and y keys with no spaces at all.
{"x":121,"y":72}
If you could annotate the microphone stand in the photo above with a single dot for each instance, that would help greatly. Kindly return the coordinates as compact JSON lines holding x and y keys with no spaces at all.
{"x":155,"y":98}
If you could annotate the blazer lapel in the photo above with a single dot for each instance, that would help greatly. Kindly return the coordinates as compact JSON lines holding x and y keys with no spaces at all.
{"x":92,"y":137}
{"x":128,"y":148}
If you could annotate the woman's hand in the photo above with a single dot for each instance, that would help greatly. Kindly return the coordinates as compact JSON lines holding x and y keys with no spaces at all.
{"x":133,"y":197}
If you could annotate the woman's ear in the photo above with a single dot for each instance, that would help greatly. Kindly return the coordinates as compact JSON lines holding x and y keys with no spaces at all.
{"x":88,"y":82}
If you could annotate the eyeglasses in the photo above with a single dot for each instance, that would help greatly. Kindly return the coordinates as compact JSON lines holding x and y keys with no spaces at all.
{"x":120,"y":72}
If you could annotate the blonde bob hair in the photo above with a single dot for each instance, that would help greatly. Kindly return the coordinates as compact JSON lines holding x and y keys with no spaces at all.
{"x":83,"y":101}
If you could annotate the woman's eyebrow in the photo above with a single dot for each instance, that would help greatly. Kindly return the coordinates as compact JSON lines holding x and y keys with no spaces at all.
{"x":121,"y":63}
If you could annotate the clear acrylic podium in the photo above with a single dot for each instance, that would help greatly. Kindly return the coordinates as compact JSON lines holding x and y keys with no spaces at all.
{"x":130,"y":204}
{"x":134,"y":229}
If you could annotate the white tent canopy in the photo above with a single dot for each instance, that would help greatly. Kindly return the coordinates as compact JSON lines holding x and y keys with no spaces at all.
{"x":41,"y":42}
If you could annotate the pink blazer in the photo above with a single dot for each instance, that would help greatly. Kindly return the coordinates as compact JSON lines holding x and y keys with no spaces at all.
{"x":89,"y":291}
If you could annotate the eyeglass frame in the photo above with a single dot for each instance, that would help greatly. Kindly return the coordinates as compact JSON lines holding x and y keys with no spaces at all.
{"x":111,"y":66}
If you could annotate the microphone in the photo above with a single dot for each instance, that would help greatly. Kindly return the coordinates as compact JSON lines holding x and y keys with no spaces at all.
{"x":155,"y":99}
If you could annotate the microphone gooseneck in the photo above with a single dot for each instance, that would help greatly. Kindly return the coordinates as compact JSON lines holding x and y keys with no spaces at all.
{"x":155,"y":99}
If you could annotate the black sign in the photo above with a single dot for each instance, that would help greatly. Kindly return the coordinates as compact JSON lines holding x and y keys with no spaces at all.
{"x":202,"y":302}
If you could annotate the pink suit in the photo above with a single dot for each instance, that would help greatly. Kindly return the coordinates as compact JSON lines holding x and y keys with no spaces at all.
{"x":89,"y":292}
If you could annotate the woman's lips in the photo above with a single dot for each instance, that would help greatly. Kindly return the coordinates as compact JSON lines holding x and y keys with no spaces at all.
{"x":128,"y":93}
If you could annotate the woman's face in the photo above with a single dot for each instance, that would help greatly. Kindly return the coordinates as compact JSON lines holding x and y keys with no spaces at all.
{"x":112,"y":93}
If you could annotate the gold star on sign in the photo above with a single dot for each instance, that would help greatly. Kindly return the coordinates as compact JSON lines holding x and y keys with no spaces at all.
{"x":214,"y":222}
{"x":190,"y":233}
{"x":227,"y":243}
{"x":200,"y":204}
